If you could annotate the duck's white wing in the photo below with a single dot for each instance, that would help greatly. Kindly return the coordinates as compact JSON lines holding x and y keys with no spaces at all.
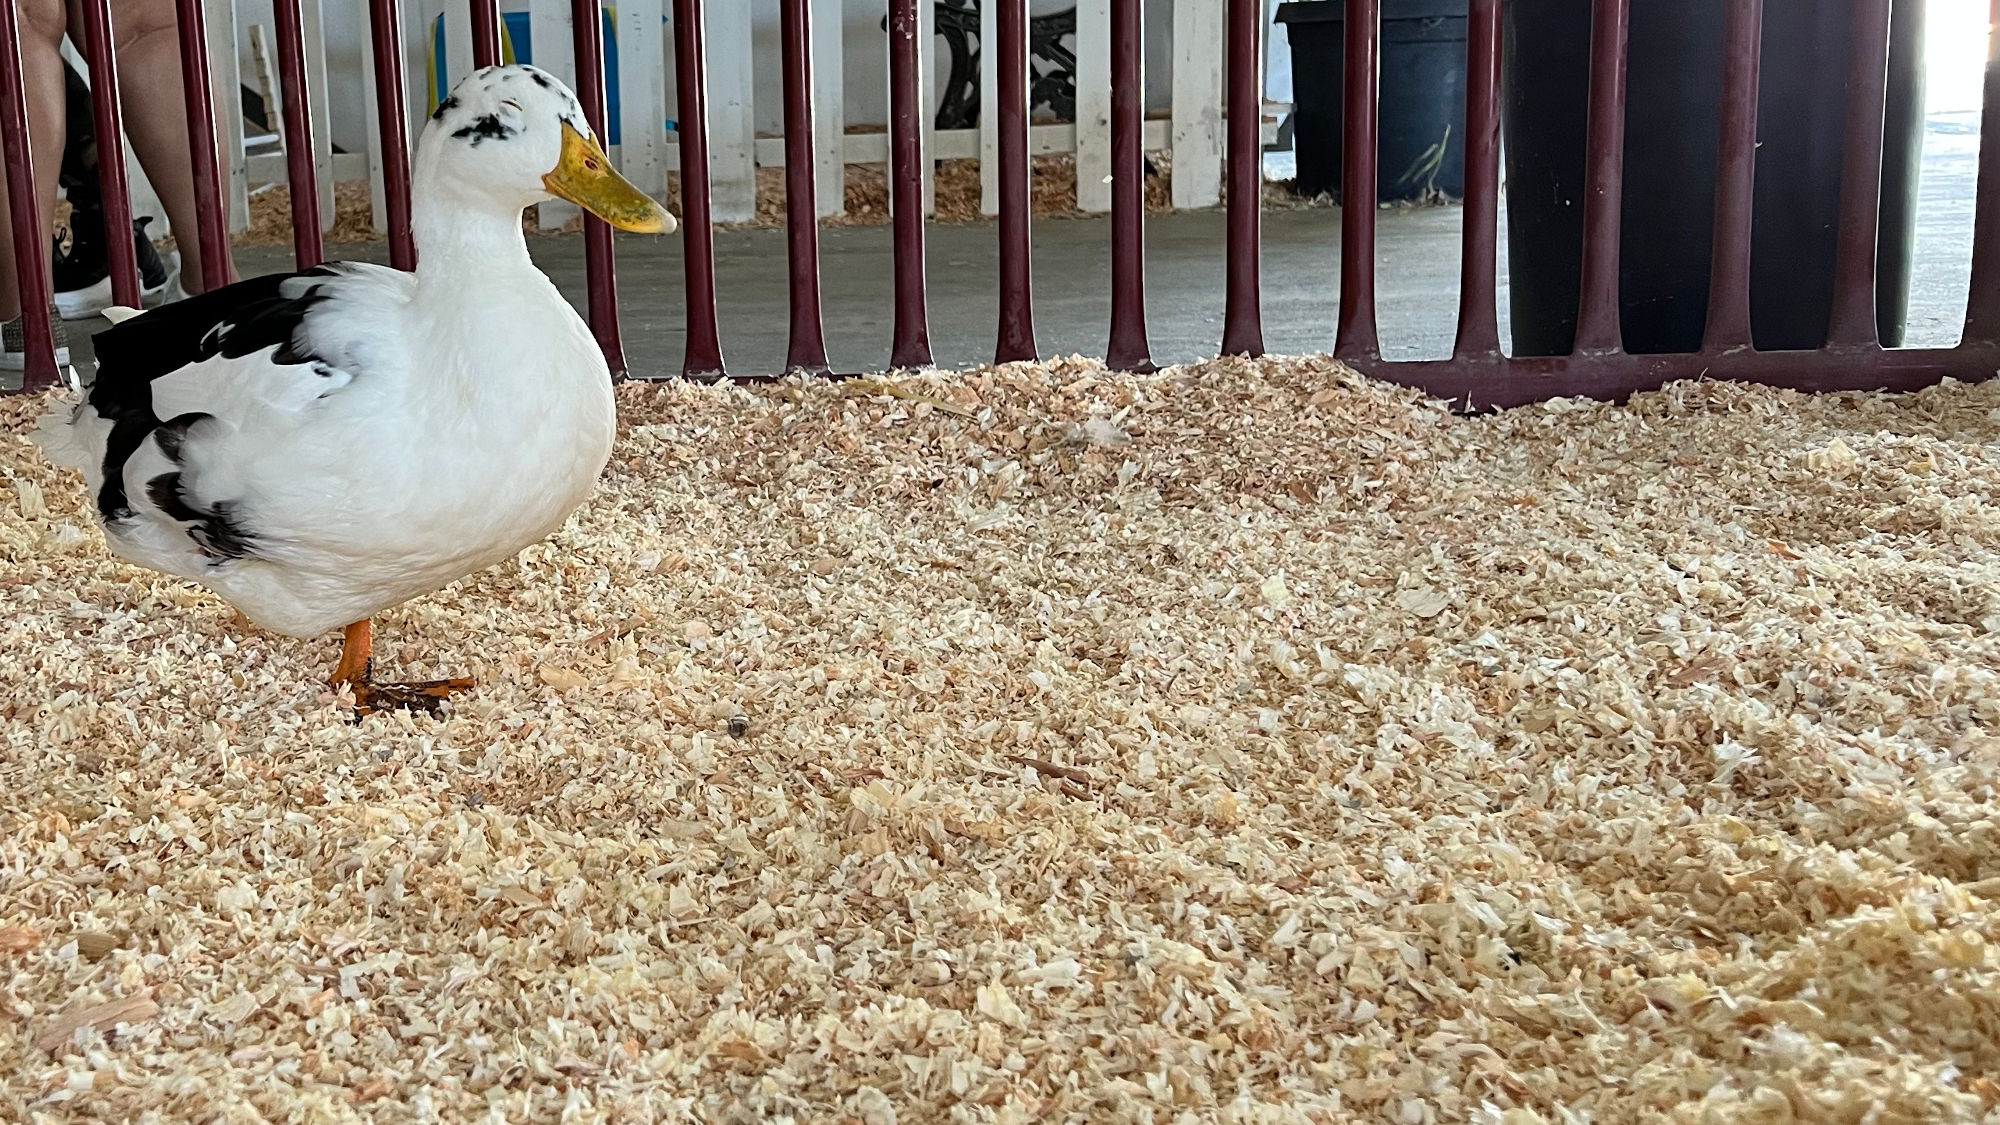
{"x":192,"y":400}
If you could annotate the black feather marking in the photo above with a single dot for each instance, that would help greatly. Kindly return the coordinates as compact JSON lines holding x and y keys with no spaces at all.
{"x":485,"y":126}
{"x":172,"y":436}
{"x":444,"y":107}
{"x":540,"y":79}
{"x":218,"y":531}
{"x":232,"y":321}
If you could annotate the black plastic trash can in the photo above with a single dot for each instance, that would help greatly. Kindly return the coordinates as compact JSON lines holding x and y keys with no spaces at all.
{"x":1672,"y":116}
{"x":1422,"y":131}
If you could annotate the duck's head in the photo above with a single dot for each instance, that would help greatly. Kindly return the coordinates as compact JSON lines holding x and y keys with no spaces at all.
{"x":515,"y":136}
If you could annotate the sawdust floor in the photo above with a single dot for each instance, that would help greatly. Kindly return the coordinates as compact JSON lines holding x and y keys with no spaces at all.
{"x":1243,"y":744}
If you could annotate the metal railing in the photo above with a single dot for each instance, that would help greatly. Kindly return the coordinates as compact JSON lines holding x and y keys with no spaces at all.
{"x":1477,"y":374}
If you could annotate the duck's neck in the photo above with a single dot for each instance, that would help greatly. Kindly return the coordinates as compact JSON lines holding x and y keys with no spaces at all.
{"x":462,"y":239}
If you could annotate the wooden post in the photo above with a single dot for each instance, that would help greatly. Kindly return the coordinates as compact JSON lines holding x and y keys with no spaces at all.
{"x":1197,"y":105}
{"x":642,"y":95}
{"x":1093,"y":105}
{"x":732,"y":135}
{"x":554,"y":50}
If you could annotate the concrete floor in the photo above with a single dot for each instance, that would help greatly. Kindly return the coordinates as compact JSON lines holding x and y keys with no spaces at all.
{"x":1418,"y":256}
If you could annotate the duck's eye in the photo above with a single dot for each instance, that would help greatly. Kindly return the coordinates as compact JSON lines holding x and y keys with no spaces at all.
{"x":511,"y":106}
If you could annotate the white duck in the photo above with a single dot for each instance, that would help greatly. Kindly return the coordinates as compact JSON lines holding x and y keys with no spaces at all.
{"x":321,"y":446}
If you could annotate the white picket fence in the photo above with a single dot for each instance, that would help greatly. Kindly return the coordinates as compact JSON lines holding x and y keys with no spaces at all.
{"x":647,"y":151}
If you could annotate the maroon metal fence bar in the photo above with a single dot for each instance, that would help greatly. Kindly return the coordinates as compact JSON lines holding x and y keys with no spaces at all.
{"x":911,"y":346}
{"x":301,"y":177}
{"x":1982,"y":313}
{"x":600,"y":267}
{"x":197,"y":88}
{"x":485,"y":33}
{"x":1015,"y":341}
{"x":1598,"y":366}
{"x":385,"y":20}
{"x":1243,"y":318}
{"x":1854,"y":321}
{"x":1478,"y":375}
{"x":122,"y":257}
{"x":1355,"y":337}
{"x":1129,"y":349}
{"x":1597,"y":318}
{"x":807,"y":349}
{"x":1478,"y":289}
{"x":31,"y":235}
{"x":1735,"y":180}
{"x":704,"y":340}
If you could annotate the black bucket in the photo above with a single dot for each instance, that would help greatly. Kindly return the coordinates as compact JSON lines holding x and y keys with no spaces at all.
{"x":1422,"y":132}
{"x":1672,"y":116}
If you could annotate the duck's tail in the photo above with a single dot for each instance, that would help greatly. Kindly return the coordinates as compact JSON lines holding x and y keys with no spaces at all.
{"x":69,"y":433}
{"x":65,"y":434}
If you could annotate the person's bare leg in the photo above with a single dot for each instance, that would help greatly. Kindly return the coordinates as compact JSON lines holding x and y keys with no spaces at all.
{"x":149,"y":74}
{"x":41,"y":23}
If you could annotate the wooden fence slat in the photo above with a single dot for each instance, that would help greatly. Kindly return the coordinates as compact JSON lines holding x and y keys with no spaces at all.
{"x":642,"y":94}
{"x":989,"y":110}
{"x":1093,"y":105}
{"x":959,"y":144}
{"x":552,"y":49}
{"x":927,"y":98}
{"x":418,"y":33}
{"x":227,"y":74}
{"x":732,"y":120}
{"x":457,"y":61}
{"x":313,"y":24}
{"x":830,"y":105}
{"x":378,"y":199}
{"x":1197,"y":105}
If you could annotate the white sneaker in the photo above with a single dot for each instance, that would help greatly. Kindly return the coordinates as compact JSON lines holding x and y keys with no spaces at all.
{"x":84,"y":303}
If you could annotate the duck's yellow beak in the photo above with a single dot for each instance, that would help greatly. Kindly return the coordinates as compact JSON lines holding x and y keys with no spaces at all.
{"x":584,"y":176}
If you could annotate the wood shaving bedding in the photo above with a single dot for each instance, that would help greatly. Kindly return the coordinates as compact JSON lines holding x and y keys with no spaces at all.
{"x":1247,"y":743}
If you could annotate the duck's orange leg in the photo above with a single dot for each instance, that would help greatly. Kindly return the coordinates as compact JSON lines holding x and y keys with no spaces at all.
{"x":357,"y":654}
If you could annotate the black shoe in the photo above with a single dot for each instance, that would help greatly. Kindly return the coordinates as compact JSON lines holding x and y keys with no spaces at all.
{"x":83,"y":271}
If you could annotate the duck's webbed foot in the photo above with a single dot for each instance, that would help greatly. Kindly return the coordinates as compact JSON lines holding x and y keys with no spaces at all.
{"x":371,"y":698}
{"x":428,"y":697}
